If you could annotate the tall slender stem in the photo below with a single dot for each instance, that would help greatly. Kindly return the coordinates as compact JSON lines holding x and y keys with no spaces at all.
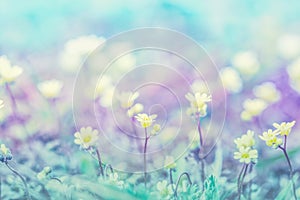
{"x":171,"y":179}
{"x":239,"y":179}
{"x":202,"y":170}
{"x":100,"y":163}
{"x":200,"y":133}
{"x":200,"y":149}
{"x":250,"y":184}
{"x":178,"y":181}
{"x":145,"y":158}
{"x":22,"y":178}
{"x":240,"y":189}
{"x":290,"y":167}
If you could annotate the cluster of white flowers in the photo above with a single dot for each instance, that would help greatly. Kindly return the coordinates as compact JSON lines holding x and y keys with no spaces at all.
{"x":271,"y":136}
{"x":245,"y":145}
{"x":266,"y":93}
{"x":198,"y":104}
{"x":127,"y":101}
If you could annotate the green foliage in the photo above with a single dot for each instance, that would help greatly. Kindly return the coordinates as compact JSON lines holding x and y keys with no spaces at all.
{"x":211,"y":191}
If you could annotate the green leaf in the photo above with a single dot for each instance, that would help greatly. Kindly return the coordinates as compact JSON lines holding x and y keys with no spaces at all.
{"x":285,"y":193}
{"x":210,"y":189}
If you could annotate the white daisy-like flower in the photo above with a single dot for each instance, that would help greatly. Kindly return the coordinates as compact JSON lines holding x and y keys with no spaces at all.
{"x":8,"y":73}
{"x":51,"y":88}
{"x":145,"y":119}
{"x":87,"y":137}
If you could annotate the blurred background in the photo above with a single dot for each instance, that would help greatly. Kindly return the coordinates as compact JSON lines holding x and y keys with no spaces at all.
{"x":251,"y":42}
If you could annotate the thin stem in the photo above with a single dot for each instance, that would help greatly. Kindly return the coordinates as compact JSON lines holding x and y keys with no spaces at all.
{"x":239,"y":179}
{"x":57,"y":179}
{"x":22,"y":178}
{"x":202,"y":170}
{"x":178,"y":180}
{"x":108,"y":166}
{"x":171,"y":179}
{"x":250,"y":184}
{"x":100,"y":163}
{"x":145,"y":151}
{"x":290,"y":167}
{"x":200,"y":133}
{"x":285,"y":138}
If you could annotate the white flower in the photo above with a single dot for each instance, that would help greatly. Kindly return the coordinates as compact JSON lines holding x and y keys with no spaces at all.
{"x":246,"y":155}
{"x":289,"y":46}
{"x":271,"y":139}
{"x":8,"y":73}
{"x":198,"y":103}
{"x":246,"y":62}
{"x":50,"y":89}
{"x":199,"y":86}
{"x":156,"y":128}
{"x":145,"y":120}
{"x":267,"y":91}
{"x":252,"y":108}
{"x":284,"y":128}
{"x":106,"y":99}
{"x":231,"y":80}
{"x":135,"y":109}
{"x":76,"y":50}
{"x":86,"y":137}
{"x":246,"y":140}
{"x":127,"y":99}
{"x":104,"y":83}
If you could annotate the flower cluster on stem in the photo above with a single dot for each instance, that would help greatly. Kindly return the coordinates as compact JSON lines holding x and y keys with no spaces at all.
{"x":246,"y":154}
{"x":272,"y":139}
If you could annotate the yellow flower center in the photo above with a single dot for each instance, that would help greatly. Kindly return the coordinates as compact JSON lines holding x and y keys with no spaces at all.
{"x":245,"y":155}
{"x":87,"y":139}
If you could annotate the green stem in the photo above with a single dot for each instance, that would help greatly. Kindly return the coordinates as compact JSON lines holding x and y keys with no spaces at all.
{"x":22,"y":178}
{"x":100,"y":163}
{"x":57,"y":179}
{"x":178,"y":181}
{"x":171,"y":179}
